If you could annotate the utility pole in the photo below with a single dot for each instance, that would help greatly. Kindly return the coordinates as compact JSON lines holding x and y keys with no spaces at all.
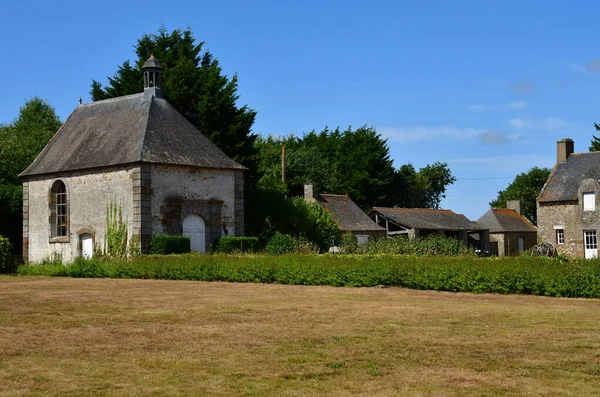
{"x":283,"y":163}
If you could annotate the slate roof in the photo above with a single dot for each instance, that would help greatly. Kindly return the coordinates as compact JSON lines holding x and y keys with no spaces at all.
{"x":129,"y":129}
{"x":348,"y":215}
{"x":426,"y":218}
{"x":563,"y":182}
{"x":500,"y":220}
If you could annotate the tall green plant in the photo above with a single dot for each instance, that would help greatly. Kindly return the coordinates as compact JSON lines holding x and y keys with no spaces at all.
{"x":115,"y":240}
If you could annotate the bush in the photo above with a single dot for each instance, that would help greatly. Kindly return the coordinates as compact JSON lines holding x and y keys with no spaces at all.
{"x":165,"y":245}
{"x":6,"y":265}
{"x":281,"y":244}
{"x":228,"y":245}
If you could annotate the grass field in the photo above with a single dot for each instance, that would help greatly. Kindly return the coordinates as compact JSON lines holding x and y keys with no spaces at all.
{"x":62,"y":336}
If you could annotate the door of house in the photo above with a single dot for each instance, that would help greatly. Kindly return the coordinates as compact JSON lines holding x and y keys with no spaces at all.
{"x":87,"y":246}
{"x":521,"y":245}
{"x":590,"y":241}
{"x":194,"y":228}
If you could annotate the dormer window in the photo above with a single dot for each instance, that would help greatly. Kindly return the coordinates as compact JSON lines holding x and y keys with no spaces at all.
{"x":589,"y":201}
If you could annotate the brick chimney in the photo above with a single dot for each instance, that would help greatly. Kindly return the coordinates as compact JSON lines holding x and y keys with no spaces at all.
{"x":564,"y":148}
{"x":515,"y":205}
{"x":310,"y":193}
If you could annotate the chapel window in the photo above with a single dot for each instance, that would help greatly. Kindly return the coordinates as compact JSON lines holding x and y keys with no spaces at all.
{"x":59,"y":217}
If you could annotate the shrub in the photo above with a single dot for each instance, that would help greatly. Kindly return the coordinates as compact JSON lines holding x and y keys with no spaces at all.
{"x":164,"y":245}
{"x":281,"y":244}
{"x":228,"y":245}
{"x":5,"y":260}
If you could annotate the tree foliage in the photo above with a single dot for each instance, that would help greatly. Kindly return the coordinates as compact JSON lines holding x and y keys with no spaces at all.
{"x":526,"y":187}
{"x":421,"y":189}
{"x":193,"y":82}
{"x":20,"y":143}
{"x":595,"y":144}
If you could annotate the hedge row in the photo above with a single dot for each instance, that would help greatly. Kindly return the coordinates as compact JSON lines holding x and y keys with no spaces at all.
{"x":237,"y":244}
{"x":524,"y":275}
{"x":164,"y":245}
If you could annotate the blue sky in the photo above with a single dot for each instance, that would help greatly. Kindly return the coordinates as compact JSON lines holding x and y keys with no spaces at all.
{"x":486,"y":86}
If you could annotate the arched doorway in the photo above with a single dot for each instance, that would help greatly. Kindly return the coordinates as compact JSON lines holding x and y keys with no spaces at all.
{"x":194,"y":228}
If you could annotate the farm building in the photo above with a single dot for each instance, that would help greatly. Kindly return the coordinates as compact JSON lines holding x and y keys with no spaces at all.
{"x":510,"y":232}
{"x":349,"y":216}
{"x":568,"y":208}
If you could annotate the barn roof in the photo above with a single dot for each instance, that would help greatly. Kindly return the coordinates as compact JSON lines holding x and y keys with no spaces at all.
{"x":129,"y":129}
{"x":500,"y":220}
{"x":426,"y":218}
{"x":348,"y":215}
{"x":564,"y":180}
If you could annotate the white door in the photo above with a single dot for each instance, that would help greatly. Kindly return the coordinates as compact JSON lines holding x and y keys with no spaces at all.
{"x":87,"y":246}
{"x":590,"y":241}
{"x":193,"y":227}
{"x":521,"y":245}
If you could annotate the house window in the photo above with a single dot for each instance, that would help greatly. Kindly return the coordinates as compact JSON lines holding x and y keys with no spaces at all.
{"x":59,"y":214}
{"x":560,"y":236}
{"x":589,"y":201}
{"x":591,"y":240}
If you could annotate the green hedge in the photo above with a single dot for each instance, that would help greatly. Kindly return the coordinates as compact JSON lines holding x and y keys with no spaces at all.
{"x":522,"y":275}
{"x":5,"y":259}
{"x":281,"y":244}
{"x":229,"y":245}
{"x":165,"y":245}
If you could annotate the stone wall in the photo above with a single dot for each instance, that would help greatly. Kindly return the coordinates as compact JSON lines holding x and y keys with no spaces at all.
{"x":508,"y":243}
{"x":571,"y":217}
{"x":88,"y":193}
{"x":216,"y":195}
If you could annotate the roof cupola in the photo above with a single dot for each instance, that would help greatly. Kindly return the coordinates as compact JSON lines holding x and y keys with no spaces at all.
{"x":152,"y":71}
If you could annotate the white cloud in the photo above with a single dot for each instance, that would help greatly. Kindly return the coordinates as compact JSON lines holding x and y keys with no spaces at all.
{"x":575,"y":68}
{"x":511,"y":105}
{"x":405,"y":134}
{"x":493,"y":137}
{"x":593,"y":65}
{"x":413,"y":134}
{"x":477,"y":108}
{"x":548,"y":123}
{"x":522,"y":87}
{"x":517,"y":105}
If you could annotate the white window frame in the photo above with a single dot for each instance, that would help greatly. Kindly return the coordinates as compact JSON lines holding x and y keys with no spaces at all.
{"x":560,"y":236}
{"x":589,"y":201}
{"x":590,"y":240}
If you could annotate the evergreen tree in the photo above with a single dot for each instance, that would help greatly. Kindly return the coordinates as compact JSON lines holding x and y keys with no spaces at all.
{"x":595,"y":144}
{"x":194,"y":84}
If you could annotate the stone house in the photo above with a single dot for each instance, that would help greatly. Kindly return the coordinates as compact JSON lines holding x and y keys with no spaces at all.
{"x":136,"y":151}
{"x":510,"y":232}
{"x":423,"y":222}
{"x":568,"y":206}
{"x":349,"y":216}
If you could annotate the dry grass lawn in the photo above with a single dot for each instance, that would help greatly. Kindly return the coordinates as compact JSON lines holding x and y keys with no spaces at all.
{"x":62,"y":337}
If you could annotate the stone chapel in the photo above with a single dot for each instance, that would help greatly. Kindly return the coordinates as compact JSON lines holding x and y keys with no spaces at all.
{"x":139,"y":152}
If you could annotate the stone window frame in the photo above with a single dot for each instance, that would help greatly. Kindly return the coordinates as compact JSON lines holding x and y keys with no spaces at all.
{"x":59,"y":233}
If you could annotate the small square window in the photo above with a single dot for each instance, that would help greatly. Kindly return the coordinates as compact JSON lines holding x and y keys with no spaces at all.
{"x":589,"y":201}
{"x":560,"y":236}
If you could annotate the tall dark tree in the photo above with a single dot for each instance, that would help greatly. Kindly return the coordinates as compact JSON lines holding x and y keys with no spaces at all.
{"x":20,"y":143}
{"x":193,"y":82}
{"x":595,"y":144}
{"x":526,"y":187}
